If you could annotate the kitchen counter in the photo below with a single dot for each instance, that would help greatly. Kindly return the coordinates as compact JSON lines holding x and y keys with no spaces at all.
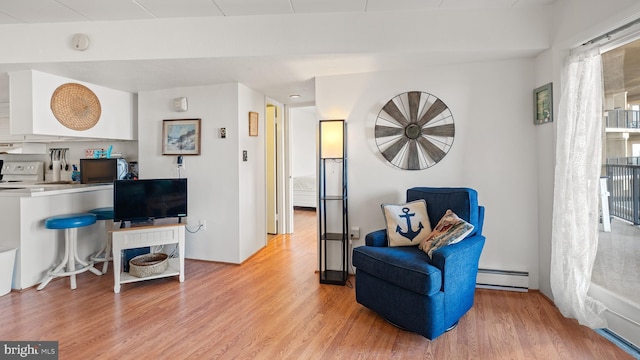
{"x":12,"y":189}
{"x":25,"y":206}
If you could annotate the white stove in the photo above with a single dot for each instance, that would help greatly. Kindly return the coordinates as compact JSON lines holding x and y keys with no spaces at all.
{"x":22,"y":171}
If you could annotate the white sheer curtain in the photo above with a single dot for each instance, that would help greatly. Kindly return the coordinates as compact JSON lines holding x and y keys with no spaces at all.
{"x":575,"y":204}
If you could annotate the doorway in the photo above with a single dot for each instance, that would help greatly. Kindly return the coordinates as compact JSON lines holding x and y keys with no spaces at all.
{"x":303,"y":126}
{"x":291,"y":164}
{"x":616,"y":266}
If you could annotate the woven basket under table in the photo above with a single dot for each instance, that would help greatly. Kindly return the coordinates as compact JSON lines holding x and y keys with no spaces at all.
{"x":148,"y":264}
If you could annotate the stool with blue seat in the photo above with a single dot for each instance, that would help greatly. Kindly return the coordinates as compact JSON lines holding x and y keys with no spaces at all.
{"x":105,"y":254}
{"x":70,"y":223}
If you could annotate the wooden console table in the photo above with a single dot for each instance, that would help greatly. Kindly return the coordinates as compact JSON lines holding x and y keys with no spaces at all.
{"x":143,"y":236}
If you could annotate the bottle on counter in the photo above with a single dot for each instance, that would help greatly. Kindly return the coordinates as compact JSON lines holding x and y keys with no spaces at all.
{"x":75,"y":175}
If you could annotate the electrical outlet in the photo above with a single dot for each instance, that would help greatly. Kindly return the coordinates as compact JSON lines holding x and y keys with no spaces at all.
{"x":355,"y":232}
{"x":203,"y":224}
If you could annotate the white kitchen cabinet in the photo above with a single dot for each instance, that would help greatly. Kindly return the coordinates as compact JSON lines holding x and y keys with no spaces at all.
{"x":31,"y":115}
{"x":6,"y":137}
{"x":5,"y":133}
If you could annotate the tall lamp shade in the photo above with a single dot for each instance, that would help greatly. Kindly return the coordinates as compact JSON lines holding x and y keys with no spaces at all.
{"x":331,"y":139}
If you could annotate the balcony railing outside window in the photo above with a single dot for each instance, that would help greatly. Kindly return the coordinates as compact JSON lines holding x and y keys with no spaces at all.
{"x":633,"y":160}
{"x":623,"y":182}
{"x":623,"y":119}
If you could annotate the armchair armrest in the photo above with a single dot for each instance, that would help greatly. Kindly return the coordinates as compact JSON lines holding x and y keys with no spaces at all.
{"x":459,"y":266}
{"x":459,"y":261}
{"x":377,"y":238}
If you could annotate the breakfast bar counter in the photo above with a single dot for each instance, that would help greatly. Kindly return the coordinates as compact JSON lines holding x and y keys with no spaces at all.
{"x":21,"y":189}
{"x":25,"y":207}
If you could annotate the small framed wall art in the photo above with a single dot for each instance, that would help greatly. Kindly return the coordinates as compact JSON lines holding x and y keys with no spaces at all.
{"x":253,"y":123}
{"x":543,"y":104}
{"x":181,"y":137}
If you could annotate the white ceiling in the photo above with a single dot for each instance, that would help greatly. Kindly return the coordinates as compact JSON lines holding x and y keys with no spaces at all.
{"x":273,"y":76}
{"x":46,"y":11}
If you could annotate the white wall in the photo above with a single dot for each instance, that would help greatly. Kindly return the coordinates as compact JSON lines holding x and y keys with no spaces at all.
{"x":222,"y":189}
{"x":252,"y":175}
{"x":493,"y":151}
{"x":303,"y":125}
{"x":545,"y":163}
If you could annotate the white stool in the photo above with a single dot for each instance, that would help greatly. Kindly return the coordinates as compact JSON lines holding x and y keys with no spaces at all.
{"x":70,"y":223}
{"x":105,"y":254}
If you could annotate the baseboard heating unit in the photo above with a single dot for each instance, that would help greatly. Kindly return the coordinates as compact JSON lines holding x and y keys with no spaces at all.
{"x":503,"y":280}
{"x":621,"y":342}
{"x":623,"y":317}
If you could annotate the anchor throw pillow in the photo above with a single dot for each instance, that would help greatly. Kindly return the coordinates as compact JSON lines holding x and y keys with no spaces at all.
{"x":407,"y":224}
{"x":450,"y":230}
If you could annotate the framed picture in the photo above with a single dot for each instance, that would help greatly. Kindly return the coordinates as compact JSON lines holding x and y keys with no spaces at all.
{"x":253,"y":123}
{"x":181,"y":137}
{"x":543,"y":104}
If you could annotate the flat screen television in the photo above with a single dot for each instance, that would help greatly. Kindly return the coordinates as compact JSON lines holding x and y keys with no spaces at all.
{"x":142,"y":201}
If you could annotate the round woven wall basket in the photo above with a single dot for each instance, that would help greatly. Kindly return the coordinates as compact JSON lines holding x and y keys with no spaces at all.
{"x":75,"y":106}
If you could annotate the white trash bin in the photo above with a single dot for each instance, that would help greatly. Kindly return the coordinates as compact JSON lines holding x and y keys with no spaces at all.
{"x":7,"y":260}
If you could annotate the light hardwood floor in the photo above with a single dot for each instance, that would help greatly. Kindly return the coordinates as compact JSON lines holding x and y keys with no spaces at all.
{"x":272,"y":307}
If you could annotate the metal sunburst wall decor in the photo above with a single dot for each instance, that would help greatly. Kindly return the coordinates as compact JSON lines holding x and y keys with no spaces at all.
{"x":414,"y":130}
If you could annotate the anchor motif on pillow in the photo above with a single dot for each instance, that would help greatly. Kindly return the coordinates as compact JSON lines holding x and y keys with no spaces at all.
{"x":409,"y":234}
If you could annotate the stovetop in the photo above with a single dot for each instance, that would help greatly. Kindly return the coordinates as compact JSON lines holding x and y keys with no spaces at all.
{"x":15,"y":171}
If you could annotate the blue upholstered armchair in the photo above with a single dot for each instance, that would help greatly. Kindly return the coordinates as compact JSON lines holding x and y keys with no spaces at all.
{"x":420,"y":294}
